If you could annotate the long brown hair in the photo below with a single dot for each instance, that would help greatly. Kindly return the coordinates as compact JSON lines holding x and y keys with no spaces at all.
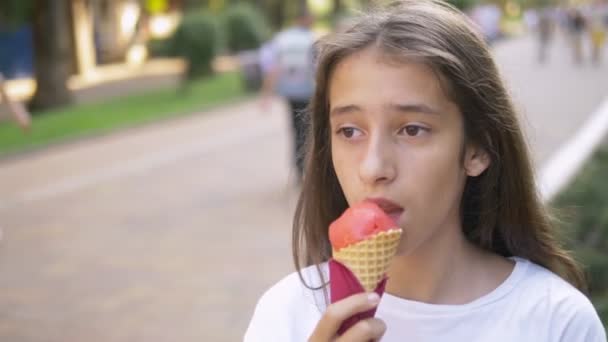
{"x":500,"y":210}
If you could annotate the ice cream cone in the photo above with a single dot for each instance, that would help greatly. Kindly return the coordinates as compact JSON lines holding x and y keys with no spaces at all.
{"x":369,"y":259}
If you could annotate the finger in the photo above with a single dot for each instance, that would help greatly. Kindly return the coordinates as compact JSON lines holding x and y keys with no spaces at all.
{"x":365,"y":330}
{"x":338,"y":312}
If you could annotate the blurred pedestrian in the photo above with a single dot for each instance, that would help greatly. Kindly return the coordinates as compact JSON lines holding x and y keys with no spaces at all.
{"x":598,"y":18}
{"x":488,"y":17}
{"x":531,"y":19}
{"x":545,"y":28}
{"x":16,"y":109}
{"x":413,"y":128}
{"x":576,"y":26}
{"x":288,"y":65}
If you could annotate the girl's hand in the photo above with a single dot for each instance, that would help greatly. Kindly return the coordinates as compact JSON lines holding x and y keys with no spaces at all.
{"x":338,"y":312}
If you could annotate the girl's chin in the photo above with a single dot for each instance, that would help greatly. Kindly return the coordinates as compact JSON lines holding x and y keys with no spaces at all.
{"x":407,"y":246}
{"x":403,"y":249}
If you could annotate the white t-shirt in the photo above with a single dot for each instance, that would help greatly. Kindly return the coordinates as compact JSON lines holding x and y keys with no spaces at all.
{"x":531,"y":305}
{"x":291,"y":52}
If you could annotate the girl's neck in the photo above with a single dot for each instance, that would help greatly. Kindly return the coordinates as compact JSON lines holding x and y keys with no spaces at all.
{"x":447,"y":269}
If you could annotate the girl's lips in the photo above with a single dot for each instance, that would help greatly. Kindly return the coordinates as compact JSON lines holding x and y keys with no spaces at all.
{"x":392,"y":209}
{"x":395,"y":216}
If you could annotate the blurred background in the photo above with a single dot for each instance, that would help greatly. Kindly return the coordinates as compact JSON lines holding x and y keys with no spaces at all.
{"x":147,"y":195}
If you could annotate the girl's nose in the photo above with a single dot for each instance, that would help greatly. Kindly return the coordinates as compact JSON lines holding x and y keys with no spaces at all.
{"x":378,"y":165}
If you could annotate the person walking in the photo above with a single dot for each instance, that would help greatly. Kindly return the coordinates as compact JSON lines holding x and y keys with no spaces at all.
{"x":577,"y":24}
{"x":545,"y":27}
{"x":16,"y":109}
{"x":598,"y":18}
{"x":288,"y":66}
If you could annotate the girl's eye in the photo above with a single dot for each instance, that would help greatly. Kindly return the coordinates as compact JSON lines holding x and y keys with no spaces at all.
{"x":349,"y":132}
{"x":413,"y":130}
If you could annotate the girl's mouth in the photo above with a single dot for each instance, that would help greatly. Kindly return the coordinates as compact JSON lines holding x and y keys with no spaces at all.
{"x":392,"y":209}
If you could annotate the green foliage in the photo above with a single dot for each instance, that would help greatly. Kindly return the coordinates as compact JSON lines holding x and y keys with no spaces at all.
{"x":538,"y":3}
{"x":197,"y":40}
{"x":16,"y":12}
{"x":161,"y":47}
{"x":463,"y":4}
{"x":245,"y":27}
{"x":109,"y":115}
{"x":586,"y":202}
{"x":601,"y":304}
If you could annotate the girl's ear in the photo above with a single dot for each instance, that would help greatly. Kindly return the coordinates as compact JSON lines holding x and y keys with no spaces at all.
{"x":476,"y":161}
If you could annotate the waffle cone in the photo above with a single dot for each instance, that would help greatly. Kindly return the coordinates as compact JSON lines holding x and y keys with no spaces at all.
{"x":369,"y":259}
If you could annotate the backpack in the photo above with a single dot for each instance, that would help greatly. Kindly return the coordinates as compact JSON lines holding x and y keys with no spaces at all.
{"x":295,"y":62}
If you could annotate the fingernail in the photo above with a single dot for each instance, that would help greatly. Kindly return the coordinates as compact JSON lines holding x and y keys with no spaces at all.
{"x":373,"y":298}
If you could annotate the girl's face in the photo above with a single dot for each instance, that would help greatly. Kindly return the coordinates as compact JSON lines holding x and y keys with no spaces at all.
{"x":397,"y":140}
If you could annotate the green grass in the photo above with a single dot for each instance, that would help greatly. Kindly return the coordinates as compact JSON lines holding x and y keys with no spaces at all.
{"x":96,"y":118}
{"x":585,"y":204}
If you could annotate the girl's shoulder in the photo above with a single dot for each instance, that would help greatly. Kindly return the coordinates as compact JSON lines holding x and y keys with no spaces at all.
{"x":305,"y":290}
{"x":291,"y":308}
{"x":542,"y":285}
{"x":541,"y":281}
{"x":552,"y":298}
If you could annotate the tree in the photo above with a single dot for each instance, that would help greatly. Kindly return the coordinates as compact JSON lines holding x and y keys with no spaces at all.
{"x":276,"y":10}
{"x":463,"y":4}
{"x":52,"y":46}
{"x":279,"y":12}
{"x":337,"y":8}
{"x":14,"y":12}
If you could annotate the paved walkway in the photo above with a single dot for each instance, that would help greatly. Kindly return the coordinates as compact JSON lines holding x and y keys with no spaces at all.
{"x":554,"y":99}
{"x":171,"y":232}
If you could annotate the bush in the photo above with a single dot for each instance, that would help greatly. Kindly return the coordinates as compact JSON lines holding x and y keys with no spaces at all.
{"x":586,"y":201}
{"x":245,"y":28}
{"x":197,"y":39}
{"x":463,"y":4}
{"x":160,"y":47}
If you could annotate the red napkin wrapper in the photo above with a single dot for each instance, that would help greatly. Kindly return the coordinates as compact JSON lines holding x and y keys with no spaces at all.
{"x":342,"y":284}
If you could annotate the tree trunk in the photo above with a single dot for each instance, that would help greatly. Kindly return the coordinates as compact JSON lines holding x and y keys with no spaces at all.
{"x":368,"y":4}
{"x":337,"y":8}
{"x":277,"y":13}
{"x":51,"y":33}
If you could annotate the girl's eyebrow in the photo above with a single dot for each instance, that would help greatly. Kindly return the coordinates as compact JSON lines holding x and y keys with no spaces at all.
{"x":344,"y":110}
{"x":412,"y":108}
{"x":396,"y":107}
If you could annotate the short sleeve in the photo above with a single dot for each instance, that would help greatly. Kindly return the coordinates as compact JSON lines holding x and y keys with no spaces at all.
{"x":583,"y":324}
{"x":268,"y":322}
{"x":287,"y":312}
